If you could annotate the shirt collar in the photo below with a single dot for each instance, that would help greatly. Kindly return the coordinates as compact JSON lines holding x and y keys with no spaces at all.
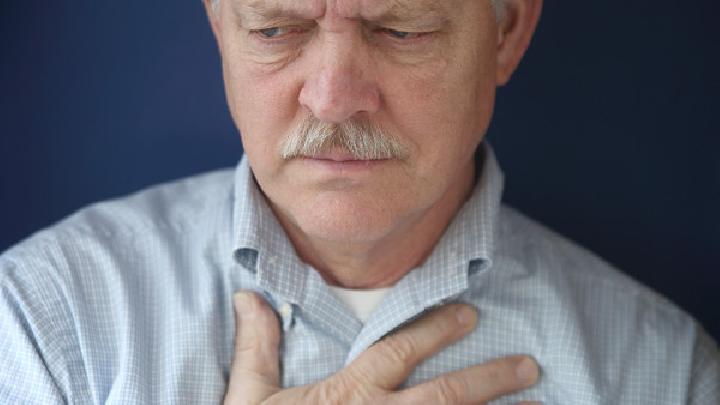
{"x":470,"y":238}
{"x":262,"y":247}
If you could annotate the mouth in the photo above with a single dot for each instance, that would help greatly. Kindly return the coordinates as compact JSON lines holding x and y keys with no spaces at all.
{"x":341,"y":162}
{"x":340,"y":156}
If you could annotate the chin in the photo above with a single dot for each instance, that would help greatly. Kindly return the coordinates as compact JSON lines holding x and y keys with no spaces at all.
{"x":346,"y":220}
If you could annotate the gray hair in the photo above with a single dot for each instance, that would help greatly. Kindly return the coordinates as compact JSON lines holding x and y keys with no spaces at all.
{"x":498,"y":5}
{"x":360,"y":138}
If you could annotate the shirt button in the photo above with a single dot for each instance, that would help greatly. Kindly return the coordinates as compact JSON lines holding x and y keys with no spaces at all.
{"x":286,"y":315}
{"x":286,"y":310}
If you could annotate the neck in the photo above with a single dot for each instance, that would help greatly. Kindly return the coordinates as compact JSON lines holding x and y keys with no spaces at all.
{"x":381,"y":263}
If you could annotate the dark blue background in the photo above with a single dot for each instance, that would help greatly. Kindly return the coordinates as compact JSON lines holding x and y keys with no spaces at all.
{"x":608,"y":132}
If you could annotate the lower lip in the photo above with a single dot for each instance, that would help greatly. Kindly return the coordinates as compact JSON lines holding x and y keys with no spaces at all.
{"x":345,"y":165}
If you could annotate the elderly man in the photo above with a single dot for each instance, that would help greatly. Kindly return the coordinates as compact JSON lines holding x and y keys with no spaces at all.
{"x":346,"y":256}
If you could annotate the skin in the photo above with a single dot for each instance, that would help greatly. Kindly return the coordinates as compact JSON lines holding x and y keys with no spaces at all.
{"x":374,"y":376}
{"x":367,"y":225}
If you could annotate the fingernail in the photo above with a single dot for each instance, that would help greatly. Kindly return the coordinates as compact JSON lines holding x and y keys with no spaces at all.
{"x":527,"y":371}
{"x":464,"y":314}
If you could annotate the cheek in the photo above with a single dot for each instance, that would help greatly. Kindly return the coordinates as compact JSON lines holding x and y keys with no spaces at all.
{"x":264,"y":107}
{"x":439,"y":109}
{"x":261,"y":99}
{"x":443,"y":112}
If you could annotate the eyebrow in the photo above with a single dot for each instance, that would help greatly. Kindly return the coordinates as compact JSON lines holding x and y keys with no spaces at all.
{"x":412,"y":11}
{"x":417,"y":13}
{"x":269,"y":10}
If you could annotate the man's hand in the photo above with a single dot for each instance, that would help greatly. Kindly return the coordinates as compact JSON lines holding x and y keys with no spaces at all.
{"x":374,"y":376}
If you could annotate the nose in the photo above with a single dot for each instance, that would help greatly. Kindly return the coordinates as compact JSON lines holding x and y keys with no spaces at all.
{"x":339,"y":84}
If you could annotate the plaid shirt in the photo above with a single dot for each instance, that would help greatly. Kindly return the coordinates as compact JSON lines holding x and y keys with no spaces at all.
{"x":129,"y":301}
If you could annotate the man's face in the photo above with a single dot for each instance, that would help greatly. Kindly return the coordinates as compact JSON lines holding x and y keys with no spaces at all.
{"x":423,"y":71}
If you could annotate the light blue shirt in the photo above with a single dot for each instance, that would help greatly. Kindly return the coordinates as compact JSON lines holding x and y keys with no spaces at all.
{"x":129,"y":301}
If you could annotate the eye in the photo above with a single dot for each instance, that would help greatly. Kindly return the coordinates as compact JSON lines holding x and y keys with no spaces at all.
{"x":280,"y":34}
{"x":272,"y":32}
{"x":402,"y":35}
{"x":397,"y":34}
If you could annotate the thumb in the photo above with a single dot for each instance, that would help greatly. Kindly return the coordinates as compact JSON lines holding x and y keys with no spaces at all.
{"x":255,"y":370}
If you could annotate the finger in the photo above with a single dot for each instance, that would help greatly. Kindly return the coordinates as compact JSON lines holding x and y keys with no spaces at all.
{"x":255,"y":371}
{"x":478,"y":384}
{"x":387,"y":363}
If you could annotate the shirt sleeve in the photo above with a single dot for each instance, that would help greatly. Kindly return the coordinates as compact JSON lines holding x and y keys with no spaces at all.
{"x":24,"y":376}
{"x":705,"y":378}
{"x":40,"y":364}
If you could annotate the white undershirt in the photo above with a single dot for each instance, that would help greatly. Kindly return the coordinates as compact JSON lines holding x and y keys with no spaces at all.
{"x":361,"y":302}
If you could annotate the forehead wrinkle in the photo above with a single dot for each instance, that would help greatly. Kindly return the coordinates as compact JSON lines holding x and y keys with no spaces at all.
{"x":413,"y":12}
{"x":404,"y":10}
{"x":274,"y":9}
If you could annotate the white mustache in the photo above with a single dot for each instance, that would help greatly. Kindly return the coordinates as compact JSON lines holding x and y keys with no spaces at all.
{"x":362,"y":139}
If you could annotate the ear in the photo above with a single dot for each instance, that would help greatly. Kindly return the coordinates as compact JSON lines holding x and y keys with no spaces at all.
{"x":214,"y":19}
{"x":515,"y":31}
